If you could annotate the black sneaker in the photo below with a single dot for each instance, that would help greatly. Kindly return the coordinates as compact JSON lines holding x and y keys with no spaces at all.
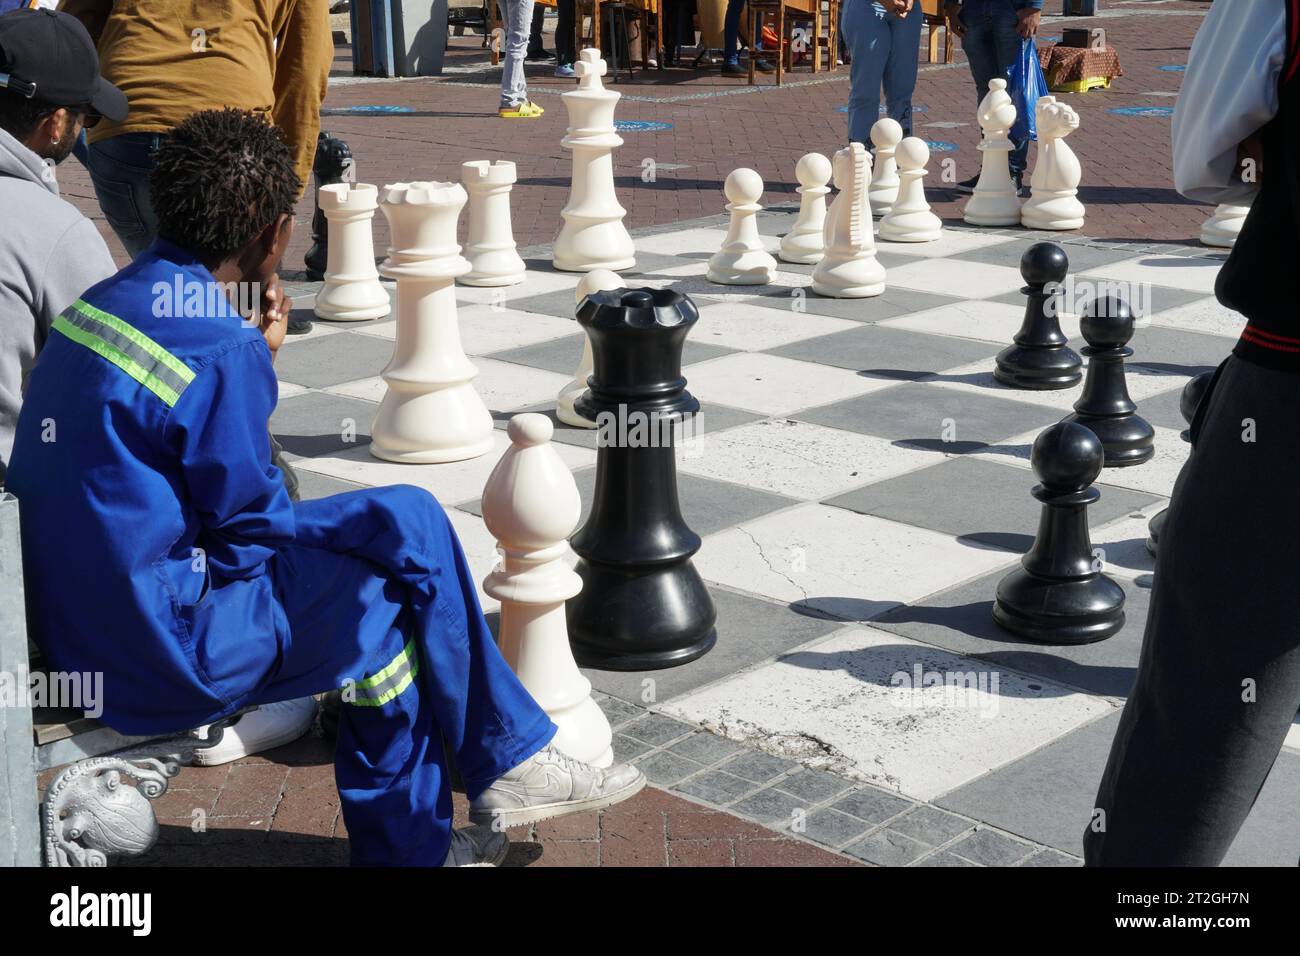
{"x":1022,"y":191}
{"x":734,"y":69}
{"x":764,"y":66}
{"x":533,"y":56}
{"x":966,"y":186}
{"x":298,"y":323}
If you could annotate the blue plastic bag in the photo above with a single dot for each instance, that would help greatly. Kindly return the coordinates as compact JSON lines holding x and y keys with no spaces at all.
{"x":1026,"y":84}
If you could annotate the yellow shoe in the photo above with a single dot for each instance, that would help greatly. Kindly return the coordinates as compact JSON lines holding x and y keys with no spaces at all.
{"x":525,"y":110}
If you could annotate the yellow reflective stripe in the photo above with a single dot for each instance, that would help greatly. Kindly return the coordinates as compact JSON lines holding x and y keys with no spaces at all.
{"x":159,"y":354}
{"x":384,"y":685}
{"x":405,"y":654}
{"x":119,"y":358}
{"x":393,"y":691}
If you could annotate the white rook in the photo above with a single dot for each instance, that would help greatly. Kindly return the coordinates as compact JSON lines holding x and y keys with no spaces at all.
{"x":593,"y":235}
{"x":430,"y":412}
{"x":490,"y":242}
{"x":598,"y":280}
{"x":531,"y":505}
{"x":351,"y":292}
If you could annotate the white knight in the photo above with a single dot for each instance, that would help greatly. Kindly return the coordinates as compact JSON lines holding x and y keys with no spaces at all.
{"x":850,"y":269}
{"x":1053,"y":203}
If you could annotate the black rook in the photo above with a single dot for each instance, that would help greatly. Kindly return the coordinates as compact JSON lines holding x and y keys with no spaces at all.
{"x":333,"y":157}
{"x":1059,"y":595}
{"x":643,"y":606}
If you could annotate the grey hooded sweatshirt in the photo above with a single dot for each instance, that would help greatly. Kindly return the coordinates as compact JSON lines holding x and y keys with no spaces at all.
{"x":49,"y":254}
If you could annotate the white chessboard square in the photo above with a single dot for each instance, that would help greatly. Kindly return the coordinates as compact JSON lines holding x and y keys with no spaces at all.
{"x":842,"y":563}
{"x":735,"y":324}
{"x":536,"y":282}
{"x":774,"y":385}
{"x":289,"y":390}
{"x":863,"y":695}
{"x":1204,"y":315}
{"x":451,"y":482}
{"x":800,"y":460}
{"x":983,"y":320}
{"x":1155,"y":477}
{"x":782,"y":282}
{"x":1190,"y":273}
{"x":951,"y":243}
{"x":503,"y":386}
{"x":485,"y":328}
{"x":687,"y":243}
{"x":956,"y":277}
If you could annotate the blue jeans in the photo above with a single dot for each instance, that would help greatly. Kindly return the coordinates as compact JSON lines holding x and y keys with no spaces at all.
{"x":731,"y":32}
{"x":518,"y":17}
{"x":884,"y":50}
{"x":119,"y":167}
{"x":992,"y":46}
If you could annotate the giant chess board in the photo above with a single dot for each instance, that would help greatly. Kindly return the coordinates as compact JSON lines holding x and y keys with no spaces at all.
{"x":861,"y":484}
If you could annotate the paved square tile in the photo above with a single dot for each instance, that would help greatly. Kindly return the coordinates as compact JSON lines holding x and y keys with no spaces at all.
{"x":984,"y":320}
{"x":333,"y":359}
{"x":773,"y":385}
{"x":1191,"y":273}
{"x":878,"y":352}
{"x":738,"y":325}
{"x":970,"y":280}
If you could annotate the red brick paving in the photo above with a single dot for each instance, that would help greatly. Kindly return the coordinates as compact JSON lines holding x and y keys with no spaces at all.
{"x":1128,"y":186}
{"x":282,"y":809}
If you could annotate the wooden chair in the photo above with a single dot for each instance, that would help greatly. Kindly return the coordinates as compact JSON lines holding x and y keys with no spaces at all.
{"x":784,"y":13}
{"x":932,"y":11}
{"x":648,"y":10}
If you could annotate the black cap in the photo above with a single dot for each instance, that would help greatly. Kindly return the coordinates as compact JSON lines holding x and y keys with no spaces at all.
{"x":48,"y":56}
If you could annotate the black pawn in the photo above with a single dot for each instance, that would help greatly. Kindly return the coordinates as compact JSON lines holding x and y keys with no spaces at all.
{"x":643,"y":605}
{"x":1193,"y":392}
{"x":1104,"y":406}
{"x":1040,"y":358}
{"x":1057,"y":595}
{"x":332,"y":161}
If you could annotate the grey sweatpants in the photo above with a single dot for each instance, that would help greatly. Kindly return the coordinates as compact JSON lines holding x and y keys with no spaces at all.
{"x":517,"y":16}
{"x":1218,"y":684}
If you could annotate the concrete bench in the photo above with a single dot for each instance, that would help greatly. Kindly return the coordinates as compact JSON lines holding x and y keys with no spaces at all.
{"x":89,"y":813}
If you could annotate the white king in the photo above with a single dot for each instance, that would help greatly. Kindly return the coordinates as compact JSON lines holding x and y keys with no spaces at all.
{"x":593,"y":235}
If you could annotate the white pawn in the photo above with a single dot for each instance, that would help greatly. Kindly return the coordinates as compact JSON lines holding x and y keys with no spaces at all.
{"x":531,"y":505}
{"x":430,"y":412}
{"x":351,"y":292}
{"x":1224,"y":225}
{"x":742,"y":260}
{"x":490,"y":242}
{"x":597,"y":280}
{"x":994,"y":202}
{"x":885,"y":136}
{"x":1053,"y":202}
{"x":805,"y":242}
{"x":850,"y":269}
{"x":910,"y":218}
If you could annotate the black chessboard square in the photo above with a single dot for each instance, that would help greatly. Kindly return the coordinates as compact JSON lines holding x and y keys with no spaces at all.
{"x":749,"y":631}
{"x":961,"y":620}
{"x":981,"y":502}
{"x":1082,"y":258}
{"x":333,"y":359}
{"x":879,"y":352}
{"x":318,"y":423}
{"x":918,"y":415}
{"x":890,"y":304}
{"x":707,"y":505}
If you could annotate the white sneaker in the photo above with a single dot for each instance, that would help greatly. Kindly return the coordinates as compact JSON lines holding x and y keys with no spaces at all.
{"x":477,"y":846}
{"x":549,"y":784}
{"x":271,"y":725}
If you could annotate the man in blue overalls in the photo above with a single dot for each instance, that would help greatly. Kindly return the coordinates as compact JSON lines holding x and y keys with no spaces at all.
{"x":161,"y":550}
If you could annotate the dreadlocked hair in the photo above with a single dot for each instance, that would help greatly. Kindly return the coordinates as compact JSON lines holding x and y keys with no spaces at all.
{"x":219,"y":178}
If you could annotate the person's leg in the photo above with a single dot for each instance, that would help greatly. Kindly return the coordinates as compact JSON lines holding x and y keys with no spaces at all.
{"x":731,"y":32}
{"x":980,"y":49}
{"x":868,"y":37}
{"x":514,"y":85}
{"x":1006,"y":46}
{"x":119,"y":169}
{"x":1218,"y":683}
{"x":536,"y":48}
{"x":390,"y":614}
{"x":900,"y":67}
{"x":565,"y":54}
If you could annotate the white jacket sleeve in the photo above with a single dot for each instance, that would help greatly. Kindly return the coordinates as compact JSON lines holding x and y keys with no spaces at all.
{"x":1229,"y":91}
